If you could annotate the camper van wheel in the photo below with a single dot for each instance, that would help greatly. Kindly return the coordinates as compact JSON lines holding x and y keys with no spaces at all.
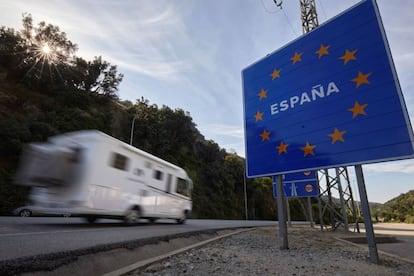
{"x":183,"y":218}
{"x":25,"y":213}
{"x":132,"y":217}
{"x":90,"y":219}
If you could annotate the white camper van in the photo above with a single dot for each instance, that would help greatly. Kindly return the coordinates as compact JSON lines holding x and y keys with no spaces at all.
{"x":93,"y":175}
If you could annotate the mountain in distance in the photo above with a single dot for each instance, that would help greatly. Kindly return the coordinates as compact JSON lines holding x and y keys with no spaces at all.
{"x":398,"y":209}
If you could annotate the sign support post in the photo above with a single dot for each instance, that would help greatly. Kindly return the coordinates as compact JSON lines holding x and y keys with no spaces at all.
{"x":281,"y":213}
{"x":245,"y":197}
{"x":369,"y":230}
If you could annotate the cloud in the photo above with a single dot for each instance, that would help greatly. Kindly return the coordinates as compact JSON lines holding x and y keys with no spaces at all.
{"x":225,"y":130}
{"x":145,"y":38}
{"x":406,"y":166}
{"x":151,"y":45}
{"x":157,"y":69}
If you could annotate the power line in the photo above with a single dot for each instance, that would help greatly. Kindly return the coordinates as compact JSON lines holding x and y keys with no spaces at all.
{"x":291,"y":26}
{"x":279,"y":5}
{"x":323,"y":9}
{"x":267,"y":10}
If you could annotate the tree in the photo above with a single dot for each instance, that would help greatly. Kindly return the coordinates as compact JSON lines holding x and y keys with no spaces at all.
{"x":45,"y":52}
{"x":44,"y":58}
{"x":11,"y":48}
{"x":46,"y":42}
{"x":97,"y":76}
{"x":262,"y":204}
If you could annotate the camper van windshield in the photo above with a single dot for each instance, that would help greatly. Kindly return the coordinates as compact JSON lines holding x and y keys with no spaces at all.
{"x":182,"y":187}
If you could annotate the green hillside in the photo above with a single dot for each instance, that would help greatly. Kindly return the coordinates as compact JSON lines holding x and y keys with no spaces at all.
{"x":399,"y":209}
{"x":43,"y":93}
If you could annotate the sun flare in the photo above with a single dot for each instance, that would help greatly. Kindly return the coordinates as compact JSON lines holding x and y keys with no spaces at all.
{"x":46,"y":49}
{"x":46,"y":56}
{"x":47,"y":53}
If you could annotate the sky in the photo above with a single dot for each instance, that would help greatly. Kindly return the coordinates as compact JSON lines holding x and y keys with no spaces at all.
{"x":189,"y":54}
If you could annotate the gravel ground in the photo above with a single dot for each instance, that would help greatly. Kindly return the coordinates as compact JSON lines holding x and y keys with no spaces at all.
{"x":311,"y":252}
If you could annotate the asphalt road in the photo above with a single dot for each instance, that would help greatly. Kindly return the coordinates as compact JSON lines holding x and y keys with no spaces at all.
{"x":31,"y":236}
{"x":404,"y":234}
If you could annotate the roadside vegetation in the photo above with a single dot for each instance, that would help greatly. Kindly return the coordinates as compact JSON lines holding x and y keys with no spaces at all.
{"x":399,"y":209}
{"x":45,"y":89}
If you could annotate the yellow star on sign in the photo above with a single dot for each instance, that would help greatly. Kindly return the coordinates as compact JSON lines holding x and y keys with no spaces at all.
{"x":308,"y":149}
{"x":275,"y":74}
{"x":337,"y":136}
{"x":349,"y":56}
{"x":258,"y":116}
{"x":358,"y":109}
{"x":282,"y":148}
{"x":323,"y":50}
{"x":265,"y":135}
{"x":297,"y":57}
{"x":361,"y":79}
{"x":262,"y":94}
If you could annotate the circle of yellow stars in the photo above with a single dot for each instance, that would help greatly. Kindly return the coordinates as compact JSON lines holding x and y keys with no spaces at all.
{"x":337,"y":135}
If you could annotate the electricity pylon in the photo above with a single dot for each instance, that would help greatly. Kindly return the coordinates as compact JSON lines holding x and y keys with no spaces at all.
{"x":329,"y":186}
{"x":338,"y":216}
{"x":308,"y":15}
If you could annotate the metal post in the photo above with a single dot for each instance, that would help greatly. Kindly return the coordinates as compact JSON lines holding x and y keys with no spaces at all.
{"x":132,"y":130}
{"x":369,"y":230}
{"x":281,"y":211}
{"x":245,"y":197}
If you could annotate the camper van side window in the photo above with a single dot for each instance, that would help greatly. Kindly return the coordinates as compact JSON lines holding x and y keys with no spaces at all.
{"x":182,"y":187}
{"x":158,"y":174}
{"x":119,"y":161}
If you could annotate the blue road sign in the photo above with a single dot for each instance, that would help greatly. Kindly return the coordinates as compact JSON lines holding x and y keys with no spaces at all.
{"x":330,"y":98}
{"x":298,"y":189}
{"x":300,"y":176}
{"x":299,"y":184}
